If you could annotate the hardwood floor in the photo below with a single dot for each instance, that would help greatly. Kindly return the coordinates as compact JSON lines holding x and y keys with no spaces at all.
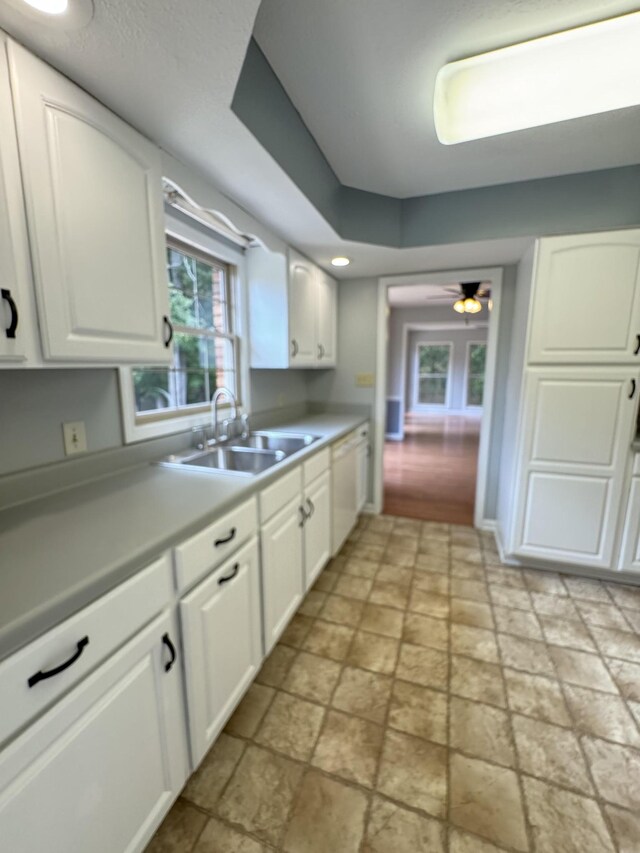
{"x":431,"y":475}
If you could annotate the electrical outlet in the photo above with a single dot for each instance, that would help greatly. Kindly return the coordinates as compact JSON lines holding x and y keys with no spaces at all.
{"x":364,"y":380}
{"x":75,"y":438}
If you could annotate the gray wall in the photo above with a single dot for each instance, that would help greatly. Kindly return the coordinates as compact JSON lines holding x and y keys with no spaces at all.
{"x":399,"y":318}
{"x":459,"y":338}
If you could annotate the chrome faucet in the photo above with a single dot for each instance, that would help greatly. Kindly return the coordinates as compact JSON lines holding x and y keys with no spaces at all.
{"x":221,"y":391}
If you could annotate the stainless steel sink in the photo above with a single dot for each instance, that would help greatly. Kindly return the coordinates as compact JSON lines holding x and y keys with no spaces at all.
{"x":237,"y":460}
{"x":287,"y":442}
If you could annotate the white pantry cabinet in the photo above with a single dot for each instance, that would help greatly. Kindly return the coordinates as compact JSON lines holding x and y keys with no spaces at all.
{"x":577,"y":426}
{"x":101,"y":768}
{"x":292,"y":311}
{"x":92,"y":189}
{"x":222,"y":638}
{"x":18,"y":325}
{"x":586,"y":299}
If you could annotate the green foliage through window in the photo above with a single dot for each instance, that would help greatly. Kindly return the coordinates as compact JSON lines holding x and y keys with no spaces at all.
{"x":477,"y":355}
{"x":433,"y":373}
{"x":204,"y":346}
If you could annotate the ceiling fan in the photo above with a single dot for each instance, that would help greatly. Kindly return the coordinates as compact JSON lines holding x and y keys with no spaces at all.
{"x":469,"y":294}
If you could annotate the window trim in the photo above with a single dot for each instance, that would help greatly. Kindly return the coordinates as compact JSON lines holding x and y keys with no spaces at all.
{"x":172,"y":422}
{"x":467,"y":375}
{"x":425,"y":407}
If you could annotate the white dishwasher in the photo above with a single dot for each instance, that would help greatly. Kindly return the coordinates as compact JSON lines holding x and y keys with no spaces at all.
{"x":344,"y":466}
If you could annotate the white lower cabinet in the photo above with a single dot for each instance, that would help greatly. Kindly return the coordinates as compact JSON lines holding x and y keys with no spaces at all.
{"x":630,"y":548}
{"x":101,"y":768}
{"x":282,"y":583}
{"x":221,"y":632}
{"x":317,"y":527}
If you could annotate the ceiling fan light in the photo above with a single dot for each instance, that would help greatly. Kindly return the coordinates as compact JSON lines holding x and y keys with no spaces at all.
{"x":459,"y":306}
{"x":579,"y":72}
{"x":472,"y":305}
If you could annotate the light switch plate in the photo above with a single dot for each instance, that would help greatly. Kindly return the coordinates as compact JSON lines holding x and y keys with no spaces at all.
{"x":364,"y":380}
{"x":75,"y":438}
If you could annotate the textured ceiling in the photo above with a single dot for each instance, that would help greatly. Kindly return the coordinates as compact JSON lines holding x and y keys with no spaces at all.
{"x":361,"y":74}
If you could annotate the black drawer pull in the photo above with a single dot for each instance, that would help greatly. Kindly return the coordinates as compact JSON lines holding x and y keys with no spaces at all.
{"x":43,"y":675}
{"x":229,"y":538}
{"x":310,"y":508}
{"x":227,"y":578}
{"x":169,"y":328}
{"x":633,"y":389}
{"x":637,"y":349}
{"x":13,"y":325}
{"x":166,"y":639}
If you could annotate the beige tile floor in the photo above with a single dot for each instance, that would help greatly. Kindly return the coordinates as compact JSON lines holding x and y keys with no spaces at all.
{"x":426,"y":698}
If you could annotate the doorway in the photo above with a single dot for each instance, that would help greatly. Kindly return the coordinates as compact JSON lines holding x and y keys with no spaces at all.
{"x":436,"y":400}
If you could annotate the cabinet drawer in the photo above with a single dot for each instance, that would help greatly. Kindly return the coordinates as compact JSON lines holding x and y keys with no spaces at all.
{"x":88,"y":637}
{"x":317,"y":465}
{"x":207,"y":549}
{"x":274,"y":497}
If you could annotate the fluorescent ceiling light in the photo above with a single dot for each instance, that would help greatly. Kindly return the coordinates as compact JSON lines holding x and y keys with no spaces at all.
{"x":579,"y":72}
{"x":340,"y":262}
{"x":50,"y":7}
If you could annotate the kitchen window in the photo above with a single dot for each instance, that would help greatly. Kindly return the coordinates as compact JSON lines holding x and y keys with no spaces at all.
{"x":203,"y":306}
{"x":433,"y":361}
{"x":476,"y":362}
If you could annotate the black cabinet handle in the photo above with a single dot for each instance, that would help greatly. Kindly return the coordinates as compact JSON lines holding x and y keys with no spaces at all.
{"x":229,"y":538}
{"x":633,"y":389}
{"x":320,"y":351}
{"x":294,"y":348}
{"x":637,"y":349}
{"x":166,"y":639}
{"x":43,"y":675}
{"x":169,"y":328}
{"x":13,"y":325}
{"x":303,"y":516}
{"x":311,"y":507}
{"x":227,"y":578}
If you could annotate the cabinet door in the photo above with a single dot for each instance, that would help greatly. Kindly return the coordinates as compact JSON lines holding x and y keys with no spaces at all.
{"x":94,"y":209}
{"x":302,"y":311}
{"x":327,"y":319}
{"x":362,"y":483}
{"x":317,"y":528}
{"x":586,"y":299}
{"x":577,"y":429}
{"x":17,"y":319}
{"x":630,"y":549}
{"x":221,"y":630}
{"x":281,"y":571}
{"x":99,"y":771}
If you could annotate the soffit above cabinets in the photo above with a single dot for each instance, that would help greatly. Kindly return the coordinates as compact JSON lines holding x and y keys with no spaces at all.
{"x":362,"y":75}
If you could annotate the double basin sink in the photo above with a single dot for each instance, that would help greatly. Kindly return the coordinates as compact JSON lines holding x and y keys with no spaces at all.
{"x":250,"y":455}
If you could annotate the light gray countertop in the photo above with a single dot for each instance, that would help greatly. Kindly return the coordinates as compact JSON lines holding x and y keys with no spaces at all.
{"x":63,"y":551}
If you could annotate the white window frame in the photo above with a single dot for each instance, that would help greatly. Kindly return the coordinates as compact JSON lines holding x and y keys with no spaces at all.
{"x":467,"y":374}
{"x":431,"y":407}
{"x":139,"y":429}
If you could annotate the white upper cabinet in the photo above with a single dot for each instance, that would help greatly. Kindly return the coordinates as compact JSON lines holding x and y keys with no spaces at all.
{"x":93,"y":197}
{"x":327,"y":289}
{"x":292,"y":311}
{"x":576,"y":429}
{"x":586,"y":299}
{"x":18,"y":326}
{"x":303,"y":311}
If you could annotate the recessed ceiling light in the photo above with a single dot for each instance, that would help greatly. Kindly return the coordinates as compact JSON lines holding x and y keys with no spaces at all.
{"x":340,"y":262}
{"x":578,"y":72}
{"x":49,"y":7}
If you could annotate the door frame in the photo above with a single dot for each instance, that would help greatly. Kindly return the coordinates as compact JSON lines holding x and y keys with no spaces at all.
{"x":495,"y":276}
